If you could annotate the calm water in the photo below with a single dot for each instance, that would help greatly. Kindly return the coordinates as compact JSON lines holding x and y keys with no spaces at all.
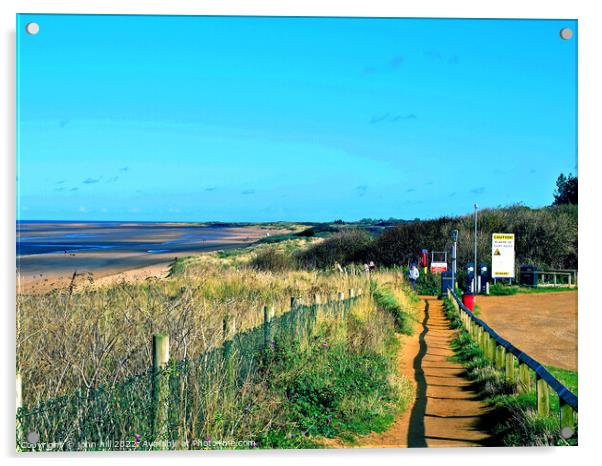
{"x":69,"y":237}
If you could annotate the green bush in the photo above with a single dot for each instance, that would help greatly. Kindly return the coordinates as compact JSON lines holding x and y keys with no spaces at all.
{"x":428,"y":284}
{"x":502,"y":290}
{"x":546,"y":237}
{"x":277,"y":238}
{"x":345,"y":247}
{"x":273,"y":260}
{"x":318,"y":230}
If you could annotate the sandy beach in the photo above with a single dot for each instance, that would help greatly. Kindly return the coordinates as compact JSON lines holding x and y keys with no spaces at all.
{"x":127,"y":258}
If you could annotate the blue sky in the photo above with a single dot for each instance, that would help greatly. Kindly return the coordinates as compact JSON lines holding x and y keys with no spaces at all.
{"x":261,"y":119}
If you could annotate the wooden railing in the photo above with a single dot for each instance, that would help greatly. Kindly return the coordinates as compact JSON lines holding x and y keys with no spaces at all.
{"x":504,"y":356}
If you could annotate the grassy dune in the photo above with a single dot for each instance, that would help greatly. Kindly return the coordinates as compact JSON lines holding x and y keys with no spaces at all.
{"x":341,"y":379}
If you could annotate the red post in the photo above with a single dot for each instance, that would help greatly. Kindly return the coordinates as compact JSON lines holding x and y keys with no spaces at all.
{"x":468,"y":300}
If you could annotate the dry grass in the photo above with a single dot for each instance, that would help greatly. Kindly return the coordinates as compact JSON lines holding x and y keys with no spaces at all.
{"x":103,"y":334}
{"x":95,"y":335}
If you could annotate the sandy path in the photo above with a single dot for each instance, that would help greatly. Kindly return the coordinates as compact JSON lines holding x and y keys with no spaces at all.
{"x":544,"y":325}
{"x":446,"y":412}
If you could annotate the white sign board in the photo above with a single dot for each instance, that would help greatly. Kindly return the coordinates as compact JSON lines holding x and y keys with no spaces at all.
{"x":502,"y":255}
{"x":438,"y":267}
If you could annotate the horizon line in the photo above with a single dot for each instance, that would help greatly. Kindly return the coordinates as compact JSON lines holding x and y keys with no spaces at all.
{"x":468,"y":212}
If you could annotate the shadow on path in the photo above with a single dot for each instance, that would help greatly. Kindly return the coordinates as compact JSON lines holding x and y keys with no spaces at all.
{"x":416,"y":430}
{"x":447,"y":411}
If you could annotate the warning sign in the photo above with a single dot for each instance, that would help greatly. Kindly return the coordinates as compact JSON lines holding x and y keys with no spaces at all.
{"x":502,"y":255}
{"x":438,"y":267}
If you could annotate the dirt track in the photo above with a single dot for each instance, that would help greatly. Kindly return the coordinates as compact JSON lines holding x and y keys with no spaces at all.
{"x":544,"y":325}
{"x":446,"y":411}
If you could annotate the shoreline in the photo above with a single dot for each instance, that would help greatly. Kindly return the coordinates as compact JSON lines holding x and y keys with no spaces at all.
{"x":41,"y":273}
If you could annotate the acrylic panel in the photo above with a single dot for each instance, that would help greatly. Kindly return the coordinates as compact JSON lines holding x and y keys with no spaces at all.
{"x":295,"y":232}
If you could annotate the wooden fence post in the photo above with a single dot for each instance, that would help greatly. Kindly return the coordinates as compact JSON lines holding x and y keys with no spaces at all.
{"x":19,"y":405}
{"x":567,"y":416}
{"x":543,"y":397}
{"x":500,"y":357}
{"x":524,"y":378}
{"x":267,"y":334}
{"x":351,"y":293}
{"x":486,"y":344}
{"x":160,"y":386}
{"x":317,"y":304}
{"x":229,"y":329}
{"x":491,"y":349}
{"x":510,"y":358}
{"x":341,"y":298}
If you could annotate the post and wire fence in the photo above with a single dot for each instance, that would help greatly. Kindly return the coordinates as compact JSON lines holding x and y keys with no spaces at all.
{"x":167,"y":406}
{"x":518,"y":366}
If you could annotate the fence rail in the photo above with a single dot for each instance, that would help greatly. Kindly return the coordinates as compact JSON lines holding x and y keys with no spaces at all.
{"x":504,"y":355}
{"x":550,"y":277}
{"x":163,"y":407}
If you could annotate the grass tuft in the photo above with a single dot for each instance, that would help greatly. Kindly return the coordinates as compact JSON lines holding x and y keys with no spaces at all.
{"x":387,"y":301}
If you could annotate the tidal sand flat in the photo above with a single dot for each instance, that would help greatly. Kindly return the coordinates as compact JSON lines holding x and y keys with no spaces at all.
{"x":49,"y":253}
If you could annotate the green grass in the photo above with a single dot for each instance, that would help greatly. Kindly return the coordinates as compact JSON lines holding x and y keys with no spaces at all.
{"x":317,"y":231}
{"x":179,"y":265}
{"x":277,"y":238}
{"x":498,"y":289}
{"x":235,"y":252}
{"x":507,"y":290}
{"x":333,"y":387}
{"x":544,"y":289}
{"x":386,"y":300}
{"x":568,"y":378}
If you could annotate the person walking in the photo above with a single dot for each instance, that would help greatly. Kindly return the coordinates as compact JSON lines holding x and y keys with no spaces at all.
{"x":413,"y":275}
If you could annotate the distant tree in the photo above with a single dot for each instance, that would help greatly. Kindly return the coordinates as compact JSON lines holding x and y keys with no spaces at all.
{"x":566,"y":190}
{"x":339,"y":222}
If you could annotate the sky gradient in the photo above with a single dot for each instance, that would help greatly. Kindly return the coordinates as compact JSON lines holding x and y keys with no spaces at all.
{"x":309,"y":119}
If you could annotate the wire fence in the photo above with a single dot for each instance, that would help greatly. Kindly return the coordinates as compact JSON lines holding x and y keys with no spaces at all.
{"x":169,"y":407}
